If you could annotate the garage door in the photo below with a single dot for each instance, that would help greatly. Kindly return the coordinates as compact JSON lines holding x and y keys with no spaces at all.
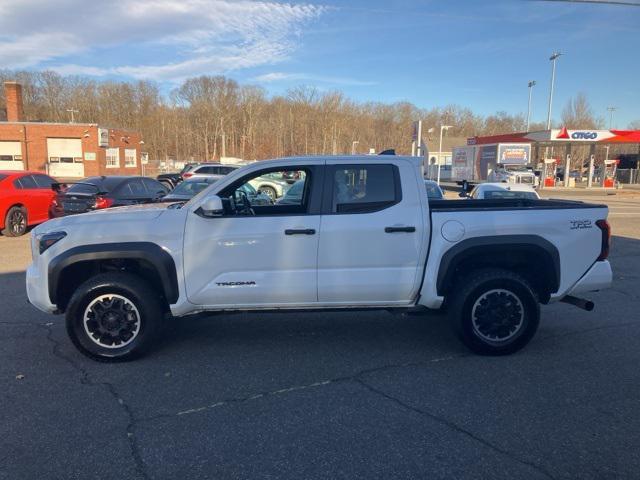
{"x":11,"y":156}
{"x":65,"y":157}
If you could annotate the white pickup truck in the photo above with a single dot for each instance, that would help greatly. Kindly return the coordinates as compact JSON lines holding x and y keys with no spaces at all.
{"x":363,"y":235}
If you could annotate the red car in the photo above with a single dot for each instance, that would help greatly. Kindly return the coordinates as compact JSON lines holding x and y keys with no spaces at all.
{"x":25,"y":198}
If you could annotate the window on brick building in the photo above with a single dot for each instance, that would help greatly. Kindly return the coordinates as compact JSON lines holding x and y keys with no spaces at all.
{"x":113,"y":158}
{"x":130,"y":157}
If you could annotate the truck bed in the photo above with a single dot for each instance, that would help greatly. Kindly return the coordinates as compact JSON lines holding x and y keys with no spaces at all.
{"x":507,"y":204}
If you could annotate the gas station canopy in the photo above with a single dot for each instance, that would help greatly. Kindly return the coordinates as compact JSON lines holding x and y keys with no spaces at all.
{"x":561,"y":135}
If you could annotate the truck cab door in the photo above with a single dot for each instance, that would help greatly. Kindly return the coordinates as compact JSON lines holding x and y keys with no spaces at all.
{"x":256,"y":255}
{"x":374,"y":236}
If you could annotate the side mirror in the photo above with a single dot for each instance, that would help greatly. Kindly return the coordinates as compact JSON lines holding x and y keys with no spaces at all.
{"x":212,"y":207}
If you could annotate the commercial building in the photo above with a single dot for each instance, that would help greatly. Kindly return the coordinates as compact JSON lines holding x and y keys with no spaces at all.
{"x":65,"y":150}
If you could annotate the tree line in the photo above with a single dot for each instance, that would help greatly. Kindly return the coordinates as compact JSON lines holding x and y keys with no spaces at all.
{"x":207,"y":117}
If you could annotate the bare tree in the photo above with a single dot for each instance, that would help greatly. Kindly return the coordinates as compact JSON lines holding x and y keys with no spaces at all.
{"x":578,"y":114}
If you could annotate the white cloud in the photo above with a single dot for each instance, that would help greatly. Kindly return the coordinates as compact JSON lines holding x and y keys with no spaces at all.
{"x":203,"y":36}
{"x":281,"y":76}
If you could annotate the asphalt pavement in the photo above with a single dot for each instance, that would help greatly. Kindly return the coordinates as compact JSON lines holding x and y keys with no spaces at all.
{"x":328,"y":395}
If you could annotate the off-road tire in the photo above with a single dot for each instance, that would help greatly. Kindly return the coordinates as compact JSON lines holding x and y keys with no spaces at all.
{"x":148,"y":305}
{"x":494,"y":302}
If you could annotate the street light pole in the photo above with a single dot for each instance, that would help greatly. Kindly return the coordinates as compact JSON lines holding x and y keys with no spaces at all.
{"x":611,"y":110}
{"x":553,"y":59}
{"x":532,"y":83}
{"x":442,"y":128}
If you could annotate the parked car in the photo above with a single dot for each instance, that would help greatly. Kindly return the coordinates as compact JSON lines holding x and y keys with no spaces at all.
{"x":96,"y":193}
{"x":364,"y":236}
{"x":271,"y":184}
{"x":291,"y":177}
{"x":209,"y":169}
{"x":293,"y":196}
{"x":24,"y":200}
{"x":189,"y":188}
{"x":492,"y":191}
{"x":513,"y":174}
{"x":169,"y":180}
{"x":434,"y":192}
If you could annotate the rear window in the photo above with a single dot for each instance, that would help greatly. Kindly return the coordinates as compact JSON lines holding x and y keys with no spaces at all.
{"x":89,"y":186}
{"x":493,"y":194}
{"x":43,"y":181}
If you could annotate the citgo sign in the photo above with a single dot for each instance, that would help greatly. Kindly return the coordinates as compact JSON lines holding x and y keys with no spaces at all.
{"x":584,"y":135}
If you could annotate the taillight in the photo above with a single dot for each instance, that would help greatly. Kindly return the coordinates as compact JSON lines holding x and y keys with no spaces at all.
{"x":103,"y":202}
{"x":605,"y":228}
{"x":55,"y":209}
{"x":187,"y":175}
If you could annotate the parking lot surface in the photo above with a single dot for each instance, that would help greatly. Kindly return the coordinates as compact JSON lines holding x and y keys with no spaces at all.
{"x":329,"y":395}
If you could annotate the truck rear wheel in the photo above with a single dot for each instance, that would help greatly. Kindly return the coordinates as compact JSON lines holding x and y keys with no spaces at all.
{"x":114,"y":317}
{"x":495,"y":312}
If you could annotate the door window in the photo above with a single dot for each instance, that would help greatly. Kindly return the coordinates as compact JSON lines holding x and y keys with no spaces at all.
{"x":365,"y":188}
{"x":25,"y":182}
{"x":266,"y":193}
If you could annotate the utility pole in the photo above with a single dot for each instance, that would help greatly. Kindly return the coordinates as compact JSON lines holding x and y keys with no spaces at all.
{"x":611,"y":110}
{"x":72,"y":111}
{"x":353,"y":146}
{"x":532,"y":84}
{"x":554,"y":56}
{"x":442,"y":128}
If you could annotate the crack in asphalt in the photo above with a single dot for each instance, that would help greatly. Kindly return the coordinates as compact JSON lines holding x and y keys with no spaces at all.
{"x":455,"y":427}
{"x":356,"y":377}
{"x":282,"y":391}
{"x":85,"y":379}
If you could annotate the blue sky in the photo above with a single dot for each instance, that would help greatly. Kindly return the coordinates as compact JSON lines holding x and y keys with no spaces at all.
{"x":478,"y":54}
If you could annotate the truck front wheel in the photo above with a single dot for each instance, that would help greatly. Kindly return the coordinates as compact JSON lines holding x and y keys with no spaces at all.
{"x":494,"y":311}
{"x":114,"y":317}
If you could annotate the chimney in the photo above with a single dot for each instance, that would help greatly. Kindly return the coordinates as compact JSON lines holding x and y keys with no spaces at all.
{"x":13,"y":98}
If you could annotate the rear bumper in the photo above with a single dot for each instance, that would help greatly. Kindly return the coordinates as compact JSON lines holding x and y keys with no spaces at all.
{"x":598,"y":277}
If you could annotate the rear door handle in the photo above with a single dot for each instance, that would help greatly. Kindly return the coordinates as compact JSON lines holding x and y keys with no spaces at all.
{"x":399,"y":229}
{"x":301,"y":231}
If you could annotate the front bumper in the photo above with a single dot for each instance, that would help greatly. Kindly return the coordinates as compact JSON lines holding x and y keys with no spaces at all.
{"x":38,"y":289}
{"x":598,"y":277}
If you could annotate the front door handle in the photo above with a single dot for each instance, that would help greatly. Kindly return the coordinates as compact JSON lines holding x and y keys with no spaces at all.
{"x":399,"y":229}
{"x":301,"y":231}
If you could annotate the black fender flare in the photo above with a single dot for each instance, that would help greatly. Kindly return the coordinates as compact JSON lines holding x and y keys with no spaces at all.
{"x":466,"y":249}
{"x":150,"y":252}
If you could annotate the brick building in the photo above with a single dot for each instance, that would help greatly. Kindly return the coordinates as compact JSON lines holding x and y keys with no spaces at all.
{"x":65,"y":150}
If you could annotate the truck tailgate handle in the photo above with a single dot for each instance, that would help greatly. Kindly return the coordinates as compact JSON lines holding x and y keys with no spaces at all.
{"x":399,"y":229}
{"x":301,"y":231}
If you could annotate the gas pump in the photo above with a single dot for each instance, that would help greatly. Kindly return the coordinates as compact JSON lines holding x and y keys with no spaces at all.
{"x":609,"y":173}
{"x":549,"y":173}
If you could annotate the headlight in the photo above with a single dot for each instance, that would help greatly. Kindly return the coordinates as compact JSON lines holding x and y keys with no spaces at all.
{"x":48,"y":239}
